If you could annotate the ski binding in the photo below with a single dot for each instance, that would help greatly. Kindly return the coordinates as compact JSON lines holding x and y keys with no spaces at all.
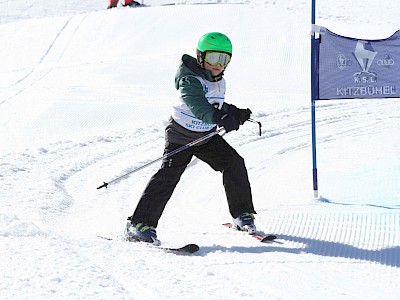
{"x":263,"y":238}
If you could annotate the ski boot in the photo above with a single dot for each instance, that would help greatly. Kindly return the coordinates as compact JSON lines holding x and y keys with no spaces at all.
{"x":245,"y":222}
{"x":139,"y":232}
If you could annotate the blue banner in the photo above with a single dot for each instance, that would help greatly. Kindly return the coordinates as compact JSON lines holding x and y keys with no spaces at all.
{"x":352,"y":68}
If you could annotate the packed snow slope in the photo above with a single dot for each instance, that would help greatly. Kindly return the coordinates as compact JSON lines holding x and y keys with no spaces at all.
{"x":84,"y":98}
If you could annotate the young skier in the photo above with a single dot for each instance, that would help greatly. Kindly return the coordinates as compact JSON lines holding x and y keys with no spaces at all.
{"x":200,"y":109}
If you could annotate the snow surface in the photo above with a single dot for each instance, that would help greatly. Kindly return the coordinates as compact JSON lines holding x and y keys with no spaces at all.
{"x":85,"y":94}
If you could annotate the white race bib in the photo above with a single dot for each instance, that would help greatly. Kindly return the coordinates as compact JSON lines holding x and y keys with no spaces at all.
{"x":215,"y":94}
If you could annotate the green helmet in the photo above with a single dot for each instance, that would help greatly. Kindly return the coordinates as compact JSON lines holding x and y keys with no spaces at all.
{"x":215,"y":41}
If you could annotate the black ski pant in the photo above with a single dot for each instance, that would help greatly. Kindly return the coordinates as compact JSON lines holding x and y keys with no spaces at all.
{"x":220,"y":156}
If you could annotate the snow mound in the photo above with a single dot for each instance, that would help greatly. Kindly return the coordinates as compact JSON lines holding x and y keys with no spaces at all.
{"x":12,"y":226}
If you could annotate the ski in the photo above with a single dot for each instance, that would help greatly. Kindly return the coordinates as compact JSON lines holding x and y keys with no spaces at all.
{"x":263,"y":238}
{"x":187,"y":249}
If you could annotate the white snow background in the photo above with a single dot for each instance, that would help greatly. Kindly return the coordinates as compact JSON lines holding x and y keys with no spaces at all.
{"x":84,"y":98}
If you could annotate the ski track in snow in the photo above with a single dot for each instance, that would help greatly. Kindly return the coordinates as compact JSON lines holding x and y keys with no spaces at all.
{"x":73,"y":184}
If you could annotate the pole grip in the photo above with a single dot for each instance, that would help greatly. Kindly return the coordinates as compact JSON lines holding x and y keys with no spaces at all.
{"x":105,"y":184}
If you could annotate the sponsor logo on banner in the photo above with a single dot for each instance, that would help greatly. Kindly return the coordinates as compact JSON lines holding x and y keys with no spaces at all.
{"x":342,"y":62}
{"x":386,"y":61}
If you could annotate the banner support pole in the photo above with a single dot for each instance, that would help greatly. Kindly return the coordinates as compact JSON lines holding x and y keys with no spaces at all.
{"x":313,"y":98}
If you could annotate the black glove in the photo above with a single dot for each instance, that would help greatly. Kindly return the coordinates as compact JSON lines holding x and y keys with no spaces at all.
{"x":241,"y":114}
{"x":226,"y":120}
{"x":244,"y":115}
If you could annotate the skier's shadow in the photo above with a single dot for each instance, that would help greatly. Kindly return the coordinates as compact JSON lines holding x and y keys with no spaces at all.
{"x":386,"y":256}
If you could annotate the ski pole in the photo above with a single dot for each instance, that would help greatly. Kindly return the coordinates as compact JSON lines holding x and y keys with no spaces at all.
{"x":184,"y":147}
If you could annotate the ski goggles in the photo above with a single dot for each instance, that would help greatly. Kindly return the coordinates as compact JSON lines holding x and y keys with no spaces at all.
{"x":217,"y":58}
